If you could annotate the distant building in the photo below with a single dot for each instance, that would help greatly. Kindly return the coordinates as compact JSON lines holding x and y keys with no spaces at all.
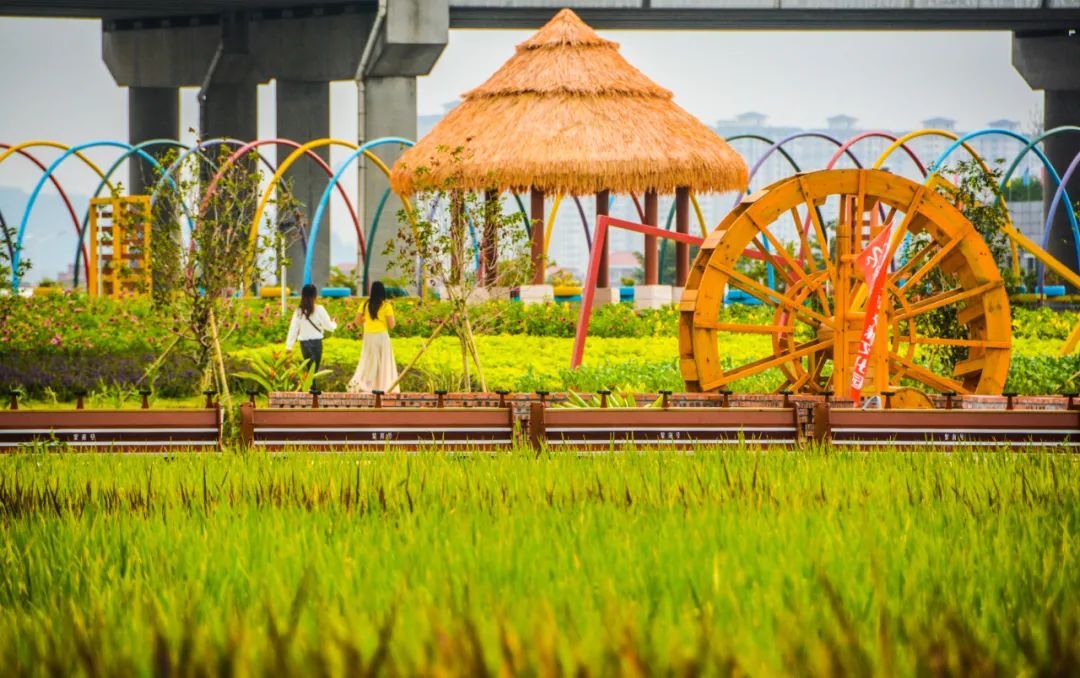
{"x":841,"y":123}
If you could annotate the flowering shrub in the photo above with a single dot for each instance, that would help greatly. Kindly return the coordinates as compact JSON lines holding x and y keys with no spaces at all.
{"x":68,"y":342}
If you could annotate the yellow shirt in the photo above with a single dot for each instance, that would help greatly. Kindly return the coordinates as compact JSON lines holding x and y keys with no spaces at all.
{"x":378,"y":324}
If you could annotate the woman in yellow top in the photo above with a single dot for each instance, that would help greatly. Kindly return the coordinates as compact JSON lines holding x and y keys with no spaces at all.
{"x":376,"y":370}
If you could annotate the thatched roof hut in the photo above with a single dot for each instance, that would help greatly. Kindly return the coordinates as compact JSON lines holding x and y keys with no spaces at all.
{"x":568,"y":114}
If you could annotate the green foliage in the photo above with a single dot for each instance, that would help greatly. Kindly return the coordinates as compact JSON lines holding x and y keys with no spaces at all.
{"x":339,"y":278}
{"x":756,"y":563}
{"x":279,"y":372}
{"x":619,"y":397}
{"x":1017,"y":191}
{"x":7,"y":255}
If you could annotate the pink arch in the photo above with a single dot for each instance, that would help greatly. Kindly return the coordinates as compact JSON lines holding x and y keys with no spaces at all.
{"x":63,"y":196}
{"x":311,"y":154}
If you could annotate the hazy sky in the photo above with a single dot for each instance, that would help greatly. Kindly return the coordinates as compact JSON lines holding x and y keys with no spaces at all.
{"x":55,"y":85}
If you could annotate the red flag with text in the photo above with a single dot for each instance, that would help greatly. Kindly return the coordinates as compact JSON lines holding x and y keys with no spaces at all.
{"x":873,"y":264}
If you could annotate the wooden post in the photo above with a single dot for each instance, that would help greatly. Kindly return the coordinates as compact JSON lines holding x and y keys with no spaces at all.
{"x":603,"y":278}
{"x":489,"y":247}
{"x":652,"y":218}
{"x":682,"y":225}
{"x":536,"y":213}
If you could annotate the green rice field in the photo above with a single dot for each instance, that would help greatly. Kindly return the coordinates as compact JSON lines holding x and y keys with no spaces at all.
{"x":723,"y":562}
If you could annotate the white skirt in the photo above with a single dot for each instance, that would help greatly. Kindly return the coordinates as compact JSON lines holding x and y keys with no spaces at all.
{"x":376,"y":370}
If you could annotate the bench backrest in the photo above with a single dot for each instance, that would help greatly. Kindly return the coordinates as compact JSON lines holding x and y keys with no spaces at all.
{"x":118,"y":430}
{"x":947,"y":428}
{"x":677,"y":427}
{"x":469,"y":428}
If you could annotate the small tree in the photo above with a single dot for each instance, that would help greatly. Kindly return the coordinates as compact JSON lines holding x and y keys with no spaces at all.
{"x":977,"y":195}
{"x":198,"y":282}
{"x":433,"y":243}
{"x":7,"y":256}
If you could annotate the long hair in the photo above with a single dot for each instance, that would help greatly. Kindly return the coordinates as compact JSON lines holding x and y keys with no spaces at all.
{"x":378,"y":296}
{"x":307,"y":299}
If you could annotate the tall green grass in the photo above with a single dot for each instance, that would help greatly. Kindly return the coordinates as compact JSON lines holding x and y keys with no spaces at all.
{"x":721,"y":562}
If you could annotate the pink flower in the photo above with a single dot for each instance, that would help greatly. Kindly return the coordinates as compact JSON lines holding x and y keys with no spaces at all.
{"x":56,"y":340}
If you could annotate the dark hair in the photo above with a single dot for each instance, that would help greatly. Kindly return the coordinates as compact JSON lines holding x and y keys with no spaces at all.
{"x":307,"y":299}
{"x":378,"y":296}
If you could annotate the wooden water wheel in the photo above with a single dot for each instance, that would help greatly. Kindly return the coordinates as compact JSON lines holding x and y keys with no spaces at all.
{"x":809,"y":229}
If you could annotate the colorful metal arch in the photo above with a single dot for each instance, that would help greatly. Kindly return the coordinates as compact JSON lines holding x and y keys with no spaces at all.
{"x":1056,"y":202}
{"x":74,"y":150}
{"x":67,"y":203}
{"x":771,"y":142}
{"x":80,"y":248}
{"x":1046,"y":163}
{"x":245,"y":148}
{"x":779,"y":144}
{"x":365,"y":150}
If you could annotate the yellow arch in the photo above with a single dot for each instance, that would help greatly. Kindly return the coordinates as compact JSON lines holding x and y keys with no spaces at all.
{"x":1013,"y":250}
{"x":551,"y":223}
{"x":63,"y":147}
{"x":293,"y":157}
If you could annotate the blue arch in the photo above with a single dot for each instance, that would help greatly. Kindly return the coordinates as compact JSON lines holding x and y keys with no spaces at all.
{"x":1030,"y":146}
{"x":15,"y":278}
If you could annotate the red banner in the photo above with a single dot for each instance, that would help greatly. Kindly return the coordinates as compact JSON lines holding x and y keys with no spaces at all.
{"x":873,"y":264}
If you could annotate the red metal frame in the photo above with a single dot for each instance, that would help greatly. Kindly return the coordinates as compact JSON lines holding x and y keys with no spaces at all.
{"x":588,"y":294}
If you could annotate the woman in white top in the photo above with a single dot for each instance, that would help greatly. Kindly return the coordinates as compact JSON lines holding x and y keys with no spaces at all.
{"x":308,"y":324}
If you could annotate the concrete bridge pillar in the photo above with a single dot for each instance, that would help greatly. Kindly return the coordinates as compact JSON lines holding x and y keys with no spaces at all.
{"x":303,"y":114}
{"x":1052,"y":63}
{"x":389,"y":109}
{"x":153,"y":113}
{"x":382,"y":49}
{"x":406,"y":40}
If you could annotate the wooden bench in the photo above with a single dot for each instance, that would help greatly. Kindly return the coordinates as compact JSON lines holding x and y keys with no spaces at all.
{"x":946,"y":428}
{"x":113,"y":430}
{"x":378,"y":428}
{"x":674,"y":427}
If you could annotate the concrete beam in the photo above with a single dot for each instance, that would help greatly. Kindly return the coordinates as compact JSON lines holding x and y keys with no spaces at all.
{"x":1048,"y":61}
{"x":163,"y":57}
{"x":389,"y":109}
{"x":153,"y":113}
{"x":696,"y":15}
{"x":303,"y":114}
{"x":410,"y":39}
{"x":314,"y":49}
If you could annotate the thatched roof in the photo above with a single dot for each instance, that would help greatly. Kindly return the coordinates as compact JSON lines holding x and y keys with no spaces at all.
{"x":568,"y":114}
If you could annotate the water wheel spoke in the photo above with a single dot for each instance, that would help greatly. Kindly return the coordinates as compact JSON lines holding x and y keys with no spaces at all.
{"x":925,"y":376}
{"x":800,"y":228}
{"x":767,"y":362}
{"x":747,"y":328}
{"x":929,"y":265}
{"x":944,"y":299}
{"x":771,"y":297}
{"x":969,"y":343}
{"x":779,"y":247}
{"x":768,"y":257}
{"x":819,"y":229}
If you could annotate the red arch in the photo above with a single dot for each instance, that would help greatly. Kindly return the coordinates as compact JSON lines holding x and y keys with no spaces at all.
{"x":64,"y":197}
